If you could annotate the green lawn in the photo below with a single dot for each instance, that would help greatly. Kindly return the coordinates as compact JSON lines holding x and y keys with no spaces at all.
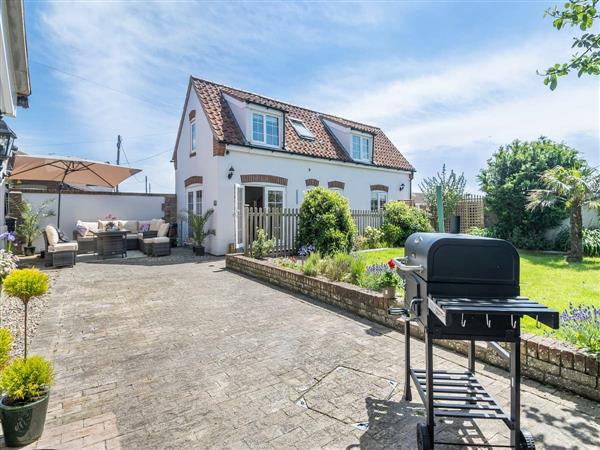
{"x":544,"y":278}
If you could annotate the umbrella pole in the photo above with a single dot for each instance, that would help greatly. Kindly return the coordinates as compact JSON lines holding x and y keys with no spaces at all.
{"x":60,"y":186}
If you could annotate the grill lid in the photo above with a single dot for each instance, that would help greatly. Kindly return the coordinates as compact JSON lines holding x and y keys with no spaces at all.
{"x":461,"y":258}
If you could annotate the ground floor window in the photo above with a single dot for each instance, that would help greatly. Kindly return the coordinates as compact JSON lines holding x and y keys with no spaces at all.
{"x":378,"y":200}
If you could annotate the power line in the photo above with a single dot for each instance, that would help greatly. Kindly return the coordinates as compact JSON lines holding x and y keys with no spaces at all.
{"x":151,"y":156}
{"x":153,"y":102}
{"x":53,"y":144}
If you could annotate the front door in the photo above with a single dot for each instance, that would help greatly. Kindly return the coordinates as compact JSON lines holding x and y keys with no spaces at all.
{"x":275,"y":204}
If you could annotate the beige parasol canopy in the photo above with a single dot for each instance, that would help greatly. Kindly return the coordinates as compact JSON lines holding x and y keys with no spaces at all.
{"x":70,"y":170}
{"x":65,"y":169}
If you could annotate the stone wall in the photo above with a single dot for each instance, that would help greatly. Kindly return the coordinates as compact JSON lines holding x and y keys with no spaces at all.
{"x":543,"y":359}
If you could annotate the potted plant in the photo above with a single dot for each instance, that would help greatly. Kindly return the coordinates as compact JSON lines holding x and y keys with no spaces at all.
{"x":26,"y":381}
{"x":389,"y":280}
{"x":196,"y":229}
{"x":26,"y":386}
{"x":28,"y":227}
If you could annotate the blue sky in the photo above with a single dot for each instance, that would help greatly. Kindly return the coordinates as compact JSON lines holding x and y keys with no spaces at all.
{"x":447,"y":81}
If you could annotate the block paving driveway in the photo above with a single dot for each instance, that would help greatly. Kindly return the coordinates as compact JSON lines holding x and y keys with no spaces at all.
{"x":185,"y":354}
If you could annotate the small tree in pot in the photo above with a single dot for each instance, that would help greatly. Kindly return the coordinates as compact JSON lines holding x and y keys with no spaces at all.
{"x":26,"y":381}
{"x":196,"y":229}
{"x":28,"y":227}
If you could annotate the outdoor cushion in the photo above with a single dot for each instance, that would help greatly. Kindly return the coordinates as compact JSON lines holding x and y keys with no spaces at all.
{"x":131,"y":236}
{"x":63,"y":247}
{"x":155,"y":224}
{"x":91,"y":226}
{"x":81,"y":228}
{"x":52,"y":235}
{"x":163,"y":230}
{"x":156,"y":240}
{"x":130,"y":226}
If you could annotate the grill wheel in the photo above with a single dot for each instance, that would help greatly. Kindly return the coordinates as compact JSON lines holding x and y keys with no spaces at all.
{"x":526,"y":441}
{"x":424,"y":441}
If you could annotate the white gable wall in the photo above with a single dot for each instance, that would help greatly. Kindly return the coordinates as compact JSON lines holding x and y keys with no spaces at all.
{"x":203,"y":164}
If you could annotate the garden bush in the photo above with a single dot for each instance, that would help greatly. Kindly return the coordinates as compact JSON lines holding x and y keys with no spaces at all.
{"x":325,"y":222}
{"x":337,"y":267}
{"x":26,"y":380}
{"x":6,"y":341}
{"x":358,"y":268}
{"x":312,"y":265}
{"x":514,"y":171}
{"x":401,"y":220}
{"x":482,"y":232}
{"x":261,"y":246}
{"x":591,"y":241}
{"x":581,"y":326}
{"x":373,"y":237}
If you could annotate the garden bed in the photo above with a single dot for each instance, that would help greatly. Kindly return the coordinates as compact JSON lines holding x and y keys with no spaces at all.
{"x":543,"y":359}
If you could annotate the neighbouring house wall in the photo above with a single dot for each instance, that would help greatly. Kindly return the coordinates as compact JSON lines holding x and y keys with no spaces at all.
{"x":357,"y":178}
{"x":93,"y":206}
{"x":591,"y":219}
{"x":203,"y":164}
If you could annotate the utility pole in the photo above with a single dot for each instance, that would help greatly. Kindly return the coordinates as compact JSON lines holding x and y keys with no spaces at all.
{"x":118,"y":155}
{"x":146,"y":181}
{"x":149,"y":188}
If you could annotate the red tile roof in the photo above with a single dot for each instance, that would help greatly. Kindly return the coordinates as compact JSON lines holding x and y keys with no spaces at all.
{"x":325,"y":145}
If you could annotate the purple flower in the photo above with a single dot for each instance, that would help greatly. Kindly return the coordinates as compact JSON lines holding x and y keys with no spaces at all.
{"x":9,"y":235}
{"x":306,"y":250}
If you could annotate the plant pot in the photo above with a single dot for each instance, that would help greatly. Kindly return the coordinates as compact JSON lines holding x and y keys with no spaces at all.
{"x":29,"y":250}
{"x":199,"y":251}
{"x":23,"y":424}
{"x":389,"y":292}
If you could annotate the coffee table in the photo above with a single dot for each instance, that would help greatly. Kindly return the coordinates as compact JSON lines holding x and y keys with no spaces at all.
{"x":111,"y":243}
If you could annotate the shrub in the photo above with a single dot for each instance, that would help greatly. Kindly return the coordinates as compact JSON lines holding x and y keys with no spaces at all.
{"x":358,"y":268}
{"x":26,"y":380}
{"x":401,"y":220}
{"x":453,"y":190}
{"x":482,"y":232}
{"x":360,"y":243}
{"x":581,"y":326}
{"x":337,"y":267}
{"x":261,"y":246}
{"x":312,"y":264}
{"x":26,"y":284}
{"x":373,"y":237}
{"x":6,"y":341}
{"x":325,"y":222}
{"x":512,"y":172}
{"x":591,"y":241}
{"x":379,"y":276}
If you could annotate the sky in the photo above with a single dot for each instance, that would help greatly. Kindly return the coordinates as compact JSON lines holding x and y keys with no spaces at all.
{"x":448,"y":82}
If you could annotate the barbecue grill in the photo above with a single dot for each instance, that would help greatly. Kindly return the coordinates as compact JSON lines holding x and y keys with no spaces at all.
{"x":465,"y":288}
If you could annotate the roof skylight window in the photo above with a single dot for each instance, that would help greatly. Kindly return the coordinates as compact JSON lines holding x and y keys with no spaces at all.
{"x":301,"y":129}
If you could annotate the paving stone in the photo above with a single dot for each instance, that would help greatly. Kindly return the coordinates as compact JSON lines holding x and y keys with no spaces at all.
{"x":180,"y":353}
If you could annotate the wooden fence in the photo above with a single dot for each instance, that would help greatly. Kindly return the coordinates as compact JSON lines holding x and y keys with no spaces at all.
{"x":470,"y":210}
{"x":281,"y":225}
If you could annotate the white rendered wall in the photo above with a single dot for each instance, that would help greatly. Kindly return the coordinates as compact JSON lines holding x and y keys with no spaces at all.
{"x":204,"y":164}
{"x":91,"y":207}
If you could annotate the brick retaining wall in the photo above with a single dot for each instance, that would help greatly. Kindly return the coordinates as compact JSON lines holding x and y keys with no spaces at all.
{"x":543,"y":359}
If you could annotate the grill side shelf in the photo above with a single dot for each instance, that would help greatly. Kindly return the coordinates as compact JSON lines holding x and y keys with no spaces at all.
{"x":454,"y":308}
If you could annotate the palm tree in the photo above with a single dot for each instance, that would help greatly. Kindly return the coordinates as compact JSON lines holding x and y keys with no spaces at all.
{"x":196,"y":227}
{"x":576,"y":188}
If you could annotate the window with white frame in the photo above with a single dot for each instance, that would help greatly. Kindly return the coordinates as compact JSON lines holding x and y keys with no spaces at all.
{"x":193,"y":137}
{"x":301,"y":129}
{"x":337,"y":189}
{"x":265,"y":129}
{"x":378,"y":200}
{"x":362,"y":147}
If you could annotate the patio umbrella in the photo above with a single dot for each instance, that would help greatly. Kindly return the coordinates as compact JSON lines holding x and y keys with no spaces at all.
{"x":65,"y":169}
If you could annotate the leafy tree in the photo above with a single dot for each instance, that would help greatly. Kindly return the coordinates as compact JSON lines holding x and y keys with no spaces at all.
{"x":512,"y":172}
{"x":581,"y":14}
{"x":453,"y":189}
{"x":401,"y":220}
{"x":575,"y":188}
{"x":325,"y":222}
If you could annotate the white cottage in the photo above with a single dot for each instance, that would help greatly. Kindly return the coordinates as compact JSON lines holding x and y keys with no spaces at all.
{"x":236,"y":148}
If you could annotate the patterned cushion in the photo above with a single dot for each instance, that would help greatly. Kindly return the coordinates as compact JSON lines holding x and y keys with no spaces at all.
{"x":144,"y":226}
{"x":81,"y":228}
{"x":52,"y":235}
{"x":163,"y":230}
{"x":91,"y":226}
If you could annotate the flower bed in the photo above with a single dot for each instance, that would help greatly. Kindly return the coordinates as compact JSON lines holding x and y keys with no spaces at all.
{"x":542,"y":358}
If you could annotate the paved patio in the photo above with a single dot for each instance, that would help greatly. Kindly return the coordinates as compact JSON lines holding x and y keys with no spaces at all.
{"x":180,"y":353}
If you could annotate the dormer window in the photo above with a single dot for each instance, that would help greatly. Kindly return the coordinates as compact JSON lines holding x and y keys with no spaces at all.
{"x":362,"y":147}
{"x":301,"y":129}
{"x":265,"y":129}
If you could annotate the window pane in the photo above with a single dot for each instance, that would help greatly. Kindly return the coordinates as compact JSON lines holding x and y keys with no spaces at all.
{"x":275,"y":199}
{"x":374,"y":205}
{"x":258,"y":127}
{"x":190,"y":201}
{"x":382,"y":199}
{"x":193,"y":136}
{"x":356,"y":147}
{"x":364,"y":148}
{"x":272,"y":130}
{"x":198,"y":202}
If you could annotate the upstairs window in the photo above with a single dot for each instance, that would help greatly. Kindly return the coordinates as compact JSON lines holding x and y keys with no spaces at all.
{"x":265,"y":129}
{"x":301,"y":129}
{"x":193,"y":137}
{"x":378,"y":200}
{"x":362,"y":148}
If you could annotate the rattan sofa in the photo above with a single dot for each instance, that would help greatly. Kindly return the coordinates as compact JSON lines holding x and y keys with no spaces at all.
{"x":58,"y":254}
{"x":87,"y":242}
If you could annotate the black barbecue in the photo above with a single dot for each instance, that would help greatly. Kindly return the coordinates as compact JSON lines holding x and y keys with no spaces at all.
{"x":465,"y":288}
